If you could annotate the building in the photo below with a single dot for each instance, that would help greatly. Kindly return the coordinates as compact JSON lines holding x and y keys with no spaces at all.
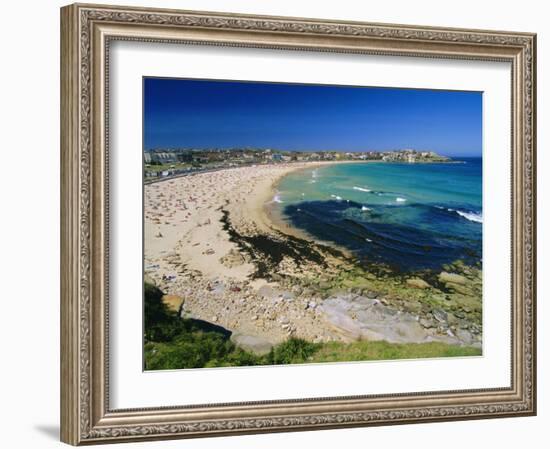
{"x":163,"y":157}
{"x":200,"y":159}
{"x":185,"y":156}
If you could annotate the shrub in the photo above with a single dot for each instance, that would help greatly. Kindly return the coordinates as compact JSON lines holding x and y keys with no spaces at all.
{"x":294,"y":350}
{"x":161,"y":324}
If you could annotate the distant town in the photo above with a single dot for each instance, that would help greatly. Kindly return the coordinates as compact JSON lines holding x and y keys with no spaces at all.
{"x":161,"y":163}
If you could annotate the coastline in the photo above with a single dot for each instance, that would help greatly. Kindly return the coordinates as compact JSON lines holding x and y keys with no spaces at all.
{"x":211,"y":241}
{"x":276,"y":221}
{"x":189,"y":254}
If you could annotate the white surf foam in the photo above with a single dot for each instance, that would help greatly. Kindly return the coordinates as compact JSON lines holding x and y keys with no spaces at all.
{"x":361,"y":189}
{"x":277,"y":199}
{"x":472,"y":216}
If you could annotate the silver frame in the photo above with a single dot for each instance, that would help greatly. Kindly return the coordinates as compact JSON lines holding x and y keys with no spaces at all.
{"x":87,"y":31}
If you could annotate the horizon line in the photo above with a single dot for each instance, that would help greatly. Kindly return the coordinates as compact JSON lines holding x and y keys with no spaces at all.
{"x":252,"y":148}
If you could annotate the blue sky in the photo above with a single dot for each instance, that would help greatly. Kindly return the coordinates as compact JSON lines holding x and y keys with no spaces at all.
{"x":224,"y":114}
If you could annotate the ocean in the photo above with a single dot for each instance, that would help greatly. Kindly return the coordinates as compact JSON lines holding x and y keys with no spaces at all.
{"x":408,"y":217}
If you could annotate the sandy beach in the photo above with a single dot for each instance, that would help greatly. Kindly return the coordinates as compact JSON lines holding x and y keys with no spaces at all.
{"x":210,"y":241}
{"x":183,"y":217}
{"x":189,"y":254}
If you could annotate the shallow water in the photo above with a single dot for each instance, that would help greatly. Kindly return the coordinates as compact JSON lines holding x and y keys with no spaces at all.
{"x":408,"y":216}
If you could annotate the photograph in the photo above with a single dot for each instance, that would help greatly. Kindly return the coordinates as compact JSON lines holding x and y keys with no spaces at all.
{"x":288,"y":223}
{"x":290,"y":220}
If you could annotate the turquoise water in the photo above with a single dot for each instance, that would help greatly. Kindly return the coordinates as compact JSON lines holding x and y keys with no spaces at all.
{"x":406,"y":216}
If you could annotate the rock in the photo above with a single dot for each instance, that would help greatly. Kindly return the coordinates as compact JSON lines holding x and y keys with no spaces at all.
{"x":370,"y":294}
{"x":445,"y":277}
{"x":440,"y":315}
{"x":251,"y":343}
{"x":459,"y":288}
{"x":464,"y":336}
{"x":266,"y":291}
{"x":334,"y":291}
{"x":439,"y":297}
{"x":418,"y":283}
{"x":287,"y":295}
{"x":173,"y":302}
{"x":370,"y":319}
{"x":475,"y":328}
{"x":426,"y":323}
{"x":356,"y":284}
{"x":452,"y":319}
{"x":233,"y":258}
{"x":218,"y":288}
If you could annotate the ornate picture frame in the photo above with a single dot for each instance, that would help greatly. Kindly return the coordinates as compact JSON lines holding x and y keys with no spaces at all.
{"x":87,"y":32}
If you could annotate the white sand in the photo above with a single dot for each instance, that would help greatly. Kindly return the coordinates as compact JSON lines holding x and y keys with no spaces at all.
{"x":185,"y":244}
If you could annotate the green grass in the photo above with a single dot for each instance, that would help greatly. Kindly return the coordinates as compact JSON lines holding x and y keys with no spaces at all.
{"x":171,"y":342}
{"x":191,"y":350}
{"x":294,"y":350}
{"x":381,"y":350}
